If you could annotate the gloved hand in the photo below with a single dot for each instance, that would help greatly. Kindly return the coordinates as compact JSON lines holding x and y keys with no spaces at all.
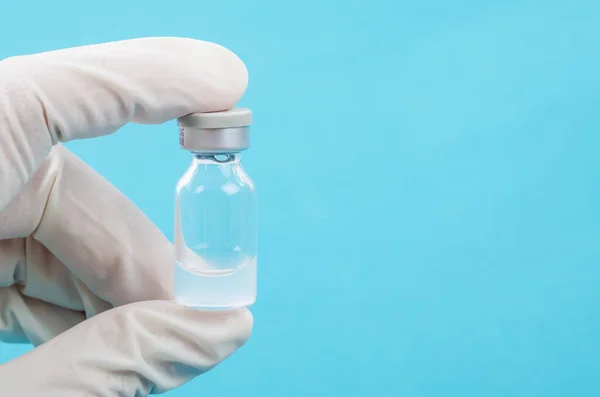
{"x":72,"y":246}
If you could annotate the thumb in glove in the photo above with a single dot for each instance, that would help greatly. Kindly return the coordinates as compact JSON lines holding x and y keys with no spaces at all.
{"x":133,"y":350}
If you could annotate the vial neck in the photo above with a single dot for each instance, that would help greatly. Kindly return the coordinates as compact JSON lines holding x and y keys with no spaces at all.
{"x":217,"y":158}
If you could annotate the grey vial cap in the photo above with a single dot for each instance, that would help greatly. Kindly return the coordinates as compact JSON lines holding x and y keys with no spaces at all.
{"x":216,"y":132}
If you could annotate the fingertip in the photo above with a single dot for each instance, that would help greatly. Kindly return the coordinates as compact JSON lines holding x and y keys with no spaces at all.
{"x":219,"y":75}
{"x":246,"y":324}
{"x":233,"y":75}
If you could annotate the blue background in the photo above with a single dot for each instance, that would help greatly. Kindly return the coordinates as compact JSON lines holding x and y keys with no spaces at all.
{"x":428,"y":175}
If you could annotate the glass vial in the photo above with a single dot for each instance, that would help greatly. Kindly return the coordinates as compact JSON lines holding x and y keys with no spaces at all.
{"x":215,"y":214}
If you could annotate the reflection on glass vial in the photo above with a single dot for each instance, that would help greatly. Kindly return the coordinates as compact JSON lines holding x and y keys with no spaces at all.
{"x":215,"y":215}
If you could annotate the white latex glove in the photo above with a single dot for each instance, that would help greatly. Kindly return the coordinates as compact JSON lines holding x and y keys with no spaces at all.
{"x":72,"y":246}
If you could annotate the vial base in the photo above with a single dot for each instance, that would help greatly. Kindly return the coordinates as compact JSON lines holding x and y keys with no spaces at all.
{"x":215,"y":290}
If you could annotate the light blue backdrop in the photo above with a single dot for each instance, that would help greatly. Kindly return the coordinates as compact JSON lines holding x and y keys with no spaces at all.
{"x":429,"y":185}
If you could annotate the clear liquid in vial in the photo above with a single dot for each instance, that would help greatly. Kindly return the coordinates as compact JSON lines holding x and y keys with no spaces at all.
{"x":215,"y":235}
{"x":200,"y":285}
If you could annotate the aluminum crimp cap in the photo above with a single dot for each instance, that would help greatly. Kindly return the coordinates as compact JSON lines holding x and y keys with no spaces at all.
{"x":216,"y":132}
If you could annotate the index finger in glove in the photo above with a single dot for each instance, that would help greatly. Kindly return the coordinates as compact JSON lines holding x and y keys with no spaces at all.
{"x":90,"y":91}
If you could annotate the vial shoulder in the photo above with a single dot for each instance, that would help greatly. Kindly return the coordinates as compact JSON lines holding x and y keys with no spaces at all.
{"x":215,"y":173}
{"x":226,"y":186}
